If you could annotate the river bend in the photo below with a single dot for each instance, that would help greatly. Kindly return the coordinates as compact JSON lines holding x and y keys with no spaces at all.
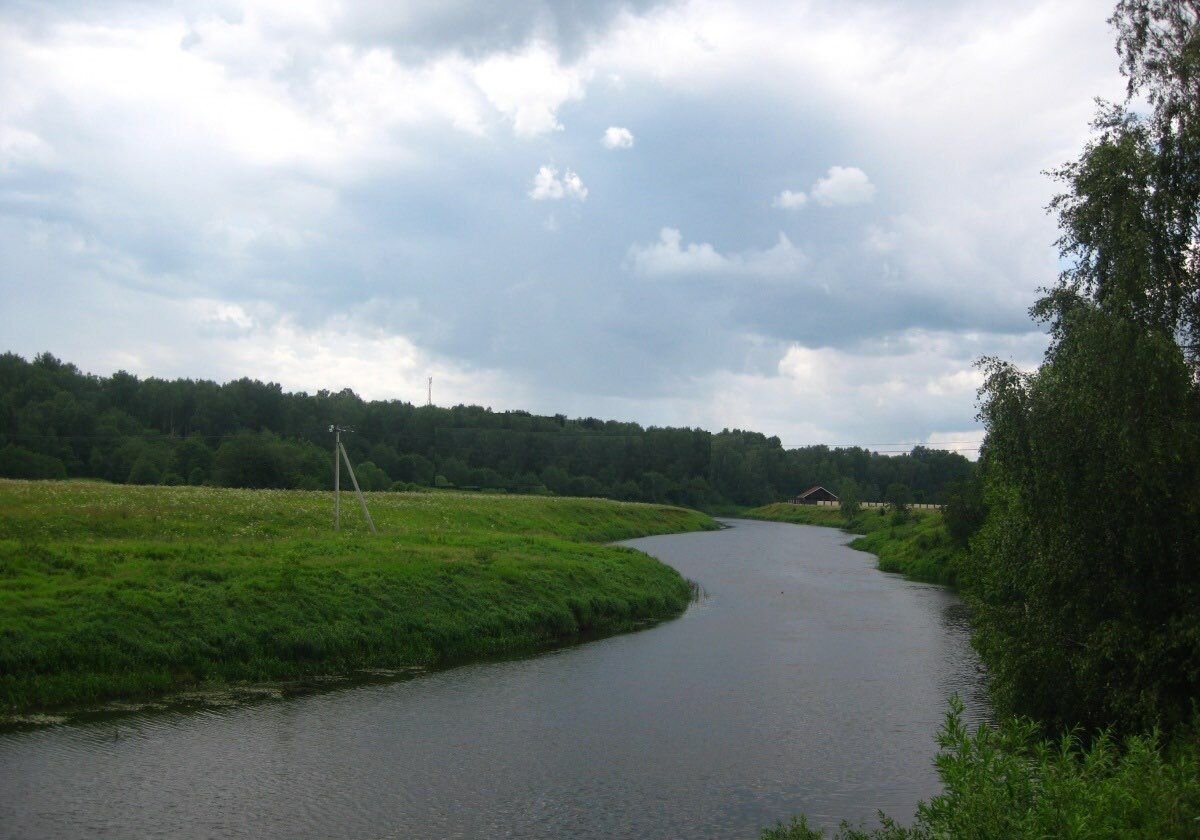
{"x":806,"y":681}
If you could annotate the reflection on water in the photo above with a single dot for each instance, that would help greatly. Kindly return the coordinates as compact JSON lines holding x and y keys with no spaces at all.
{"x":805,"y":681}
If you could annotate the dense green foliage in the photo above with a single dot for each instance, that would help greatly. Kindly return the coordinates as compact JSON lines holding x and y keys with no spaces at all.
{"x":965,"y":510}
{"x":1130,"y":215}
{"x":1084,"y":577}
{"x":56,"y":421}
{"x":1008,"y":783}
{"x":918,"y":547}
{"x":109,"y":591}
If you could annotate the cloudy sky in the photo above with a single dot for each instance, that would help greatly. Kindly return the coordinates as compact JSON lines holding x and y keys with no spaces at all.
{"x":804,"y":218}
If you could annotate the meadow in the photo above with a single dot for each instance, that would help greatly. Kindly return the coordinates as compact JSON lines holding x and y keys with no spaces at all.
{"x":123,"y":592}
{"x":918,"y":547}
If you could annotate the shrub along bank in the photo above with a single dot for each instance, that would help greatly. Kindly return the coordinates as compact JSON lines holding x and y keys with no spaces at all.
{"x":1008,"y":781}
{"x":123,"y":592}
{"x":915,"y":544}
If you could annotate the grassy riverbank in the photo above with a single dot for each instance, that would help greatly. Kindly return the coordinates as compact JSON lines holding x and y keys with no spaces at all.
{"x":919,"y":548}
{"x":113,"y":592}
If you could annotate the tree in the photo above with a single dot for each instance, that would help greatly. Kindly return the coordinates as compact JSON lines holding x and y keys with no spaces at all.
{"x":17,"y":462}
{"x":250,"y":460}
{"x":965,"y":510}
{"x":193,"y":459}
{"x":898,"y":497}
{"x":1084,"y":575}
{"x":385,"y":457}
{"x":144,"y":471}
{"x":1130,"y":215}
{"x":414,"y":468}
{"x":100,"y":427}
{"x":370,"y":477}
{"x":848,"y":499}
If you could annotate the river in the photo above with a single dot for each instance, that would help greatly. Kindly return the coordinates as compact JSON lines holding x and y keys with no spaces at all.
{"x":806,"y":681}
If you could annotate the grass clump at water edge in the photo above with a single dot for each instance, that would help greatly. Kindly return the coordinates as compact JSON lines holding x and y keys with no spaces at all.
{"x":1007,"y":782}
{"x":916,"y":545}
{"x":111,"y":592}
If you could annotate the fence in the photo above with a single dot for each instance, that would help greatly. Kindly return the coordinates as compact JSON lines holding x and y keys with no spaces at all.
{"x":917,"y":506}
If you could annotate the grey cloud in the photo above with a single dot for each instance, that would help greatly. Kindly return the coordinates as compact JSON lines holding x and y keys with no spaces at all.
{"x":416,"y":30}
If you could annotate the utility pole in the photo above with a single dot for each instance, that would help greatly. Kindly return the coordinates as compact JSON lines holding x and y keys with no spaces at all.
{"x":337,"y":481}
{"x":361,"y":499}
{"x":337,"y":478}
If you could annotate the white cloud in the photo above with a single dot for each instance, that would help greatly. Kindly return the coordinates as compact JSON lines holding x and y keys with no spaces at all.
{"x":789,"y":200}
{"x":880,"y":240}
{"x":222,"y":313}
{"x":668,"y":256}
{"x":22,"y":148}
{"x":548,"y":186}
{"x":963,"y":381}
{"x":529,"y":87}
{"x":215,"y":339}
{"x":616,"y":137}
{"x":876,"y":395}
{"x":843,"y":185}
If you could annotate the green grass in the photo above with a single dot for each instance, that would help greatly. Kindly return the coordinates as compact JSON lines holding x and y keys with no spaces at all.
{"x":920,"y":548}
{"x":111,"y":592}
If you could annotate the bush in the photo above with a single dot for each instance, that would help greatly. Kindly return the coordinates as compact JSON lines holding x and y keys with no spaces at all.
{"x":144,"y":471}
{"x":848,"y":498}
{"x":263,"y":460}
{"x":370,"y":477}
{"x":898,"y":497}
{"x":1008,"y":783}
{"x":18,"y":462}
{"x":413,"y":468}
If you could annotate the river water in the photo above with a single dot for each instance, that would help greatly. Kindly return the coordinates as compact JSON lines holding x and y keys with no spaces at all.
{"x":806,"y":681}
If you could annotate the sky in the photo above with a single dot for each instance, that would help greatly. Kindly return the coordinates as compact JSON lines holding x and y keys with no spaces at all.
{"x":805,"y":218}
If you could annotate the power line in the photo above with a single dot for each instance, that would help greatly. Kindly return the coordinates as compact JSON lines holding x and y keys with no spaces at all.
{"x":117,"y":436}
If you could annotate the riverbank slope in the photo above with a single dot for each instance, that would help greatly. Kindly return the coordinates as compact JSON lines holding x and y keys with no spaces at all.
{"x":111,"y":592}
{"x":919,"y":547}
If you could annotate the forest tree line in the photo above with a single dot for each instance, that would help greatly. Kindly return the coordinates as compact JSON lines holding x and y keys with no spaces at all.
{"x":58,"y":422}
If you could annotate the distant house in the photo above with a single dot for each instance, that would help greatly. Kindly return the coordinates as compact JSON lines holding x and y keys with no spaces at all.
{"x":813,"y":496}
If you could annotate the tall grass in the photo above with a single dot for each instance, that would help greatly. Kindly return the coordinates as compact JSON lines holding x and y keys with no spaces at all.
{"x":1008,"y":783}
{"x":116,"y":592}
